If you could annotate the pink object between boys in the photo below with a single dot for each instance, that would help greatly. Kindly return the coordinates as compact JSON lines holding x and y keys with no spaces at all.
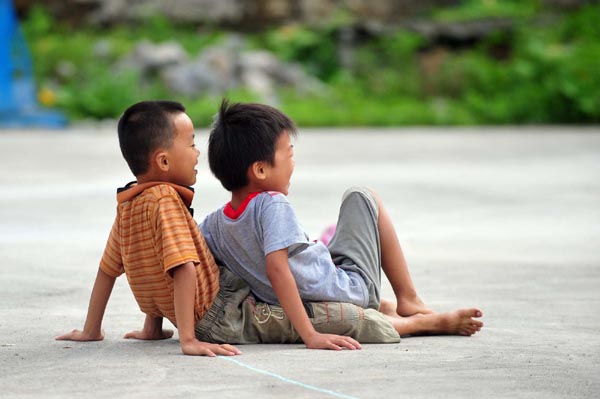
{"x":327,"y":234}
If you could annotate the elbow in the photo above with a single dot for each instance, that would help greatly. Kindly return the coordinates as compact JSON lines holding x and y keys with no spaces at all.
{"x":277,"y":271}
{"x":272,"y":271}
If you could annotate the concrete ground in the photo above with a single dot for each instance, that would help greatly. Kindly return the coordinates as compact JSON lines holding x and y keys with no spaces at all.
{"x":504,"y":219}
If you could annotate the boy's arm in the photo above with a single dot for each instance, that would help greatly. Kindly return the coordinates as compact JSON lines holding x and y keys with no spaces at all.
{"x":282,"y":280}
{"x":92,"y":329}
{"x":184,"y":277}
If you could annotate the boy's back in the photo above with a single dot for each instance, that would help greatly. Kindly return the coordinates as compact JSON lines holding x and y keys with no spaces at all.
{"x":264,"y":223}
{"x":152,"y":234}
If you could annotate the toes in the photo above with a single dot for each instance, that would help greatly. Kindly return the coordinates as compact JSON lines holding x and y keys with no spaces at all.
{"x":471,"y":312}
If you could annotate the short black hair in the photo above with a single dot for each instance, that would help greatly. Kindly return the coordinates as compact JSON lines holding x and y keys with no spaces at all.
{"x":143,"y":128}
{"x":241,"y":135}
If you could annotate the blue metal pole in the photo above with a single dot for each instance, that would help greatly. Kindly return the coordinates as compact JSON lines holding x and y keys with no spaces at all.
{"x":18,"y":95}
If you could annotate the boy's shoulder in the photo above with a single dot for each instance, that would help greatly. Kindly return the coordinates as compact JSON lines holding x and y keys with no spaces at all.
{"x":267,"y":198}
{"x":161,"y":190}
{"x":255,"y":203}
{"x":273,"y":197}
{"x":155,"y":190}
{"x":271,"y":204}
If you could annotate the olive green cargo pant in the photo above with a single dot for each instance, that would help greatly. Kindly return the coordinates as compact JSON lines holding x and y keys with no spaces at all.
{"x":236,"y":318}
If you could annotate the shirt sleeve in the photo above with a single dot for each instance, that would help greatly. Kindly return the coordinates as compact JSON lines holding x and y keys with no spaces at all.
{"x":281,"y":229}
{"x":173,"y":237}
{"x":205,"y":228}
{"x":112,"y":262}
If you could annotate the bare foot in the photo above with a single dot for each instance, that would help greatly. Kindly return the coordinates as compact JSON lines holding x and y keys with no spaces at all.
{"x":412,"y":306}
{"x":388,"y":308}
{"x":458,"y":322}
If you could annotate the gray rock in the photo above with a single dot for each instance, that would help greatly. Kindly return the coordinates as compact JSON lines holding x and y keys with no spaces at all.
{"x":218,"y":69}
{"x":223,"y":60}
{"x":255,"y":14}
{"x":193,"y":79}
{"x":262,"y":72}
{"x":149,"y":57}
{"x":103,"y":49}
{"x":211,"y":11}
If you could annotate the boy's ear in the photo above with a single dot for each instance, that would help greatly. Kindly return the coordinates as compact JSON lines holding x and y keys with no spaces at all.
{"x":161,"y":160}
{"x":258,"y":170}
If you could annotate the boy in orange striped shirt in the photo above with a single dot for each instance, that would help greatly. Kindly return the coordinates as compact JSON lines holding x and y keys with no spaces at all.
{"x":157,"y":244}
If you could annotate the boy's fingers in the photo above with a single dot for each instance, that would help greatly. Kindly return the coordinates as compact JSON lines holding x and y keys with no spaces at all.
{"x":345,"y":344}
{"x":78,"y":335}
{"x":225,"y":352}
{"x":207,"y":352}
{"x":66,"y":336}
{"x":232,"y":349}
{"x":355,"y":343}
{"x":168,"y":333}
{"x":131,"y":334}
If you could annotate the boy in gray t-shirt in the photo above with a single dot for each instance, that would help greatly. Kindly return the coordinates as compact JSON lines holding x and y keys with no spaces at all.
{"x":257,"y":235}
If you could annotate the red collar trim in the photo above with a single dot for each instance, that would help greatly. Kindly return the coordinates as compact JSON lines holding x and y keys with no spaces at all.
{"x":236,"y":213}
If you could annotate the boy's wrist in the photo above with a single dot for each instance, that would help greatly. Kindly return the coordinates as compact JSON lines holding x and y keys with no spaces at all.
{"x":311,"y":338}
{"x":91,"y":329}
{"x":92,"y":334}
{"x":185,"y":341}
{"x":308,"y":334}
{"x":186,"y":337}
{"x":153,"y":325}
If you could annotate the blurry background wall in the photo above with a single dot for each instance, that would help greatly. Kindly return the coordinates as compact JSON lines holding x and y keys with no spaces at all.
{"x":325,"y":62}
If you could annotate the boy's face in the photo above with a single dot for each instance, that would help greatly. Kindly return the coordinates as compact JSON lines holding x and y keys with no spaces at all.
{"x":183,"y":154}
{"x":280,"y":173}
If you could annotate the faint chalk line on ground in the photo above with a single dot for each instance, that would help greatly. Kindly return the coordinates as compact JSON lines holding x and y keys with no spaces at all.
{"x":288,"y":380}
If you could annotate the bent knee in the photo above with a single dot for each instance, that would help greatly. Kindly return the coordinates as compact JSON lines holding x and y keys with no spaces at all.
{"x":364,"y":192}
{"x":361,"y":190}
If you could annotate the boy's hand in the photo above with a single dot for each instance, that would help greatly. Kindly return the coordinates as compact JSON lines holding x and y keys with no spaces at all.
{"x":199,"y":348}
{"x":92,"y":329}
{"x":152,"y":330}
{"x":146,"y":335}
{"x":284,"y":285}
{"x":184,"y":277}
{"x":331,"y":341}
{"x":78,"y":335}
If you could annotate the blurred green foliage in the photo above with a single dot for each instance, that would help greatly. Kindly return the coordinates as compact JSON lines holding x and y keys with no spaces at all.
{"x":546,"y":70}
{"x":480,"y":9}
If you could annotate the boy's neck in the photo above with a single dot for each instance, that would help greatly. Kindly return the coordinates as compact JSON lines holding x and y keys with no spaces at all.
{"x":135,"y":188}
{"x":152,"y":177}
{"x":238,"y":196}
{"x":148,"y":178}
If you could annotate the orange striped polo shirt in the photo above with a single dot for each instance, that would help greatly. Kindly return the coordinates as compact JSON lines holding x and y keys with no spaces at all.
{"x":154,"y":232}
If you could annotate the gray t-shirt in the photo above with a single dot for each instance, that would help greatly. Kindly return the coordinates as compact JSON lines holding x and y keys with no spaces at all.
{"x":266,"y":223}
